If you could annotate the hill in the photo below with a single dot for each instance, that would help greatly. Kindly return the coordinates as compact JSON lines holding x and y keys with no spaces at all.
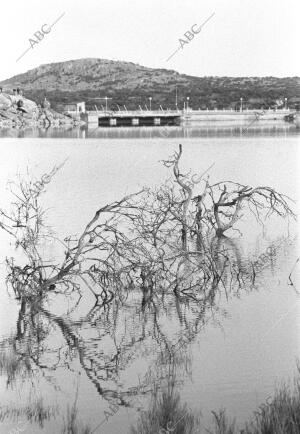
{"x":131,"y":84}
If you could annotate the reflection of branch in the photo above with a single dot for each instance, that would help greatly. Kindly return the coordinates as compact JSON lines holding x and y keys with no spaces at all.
{"x":85,"y":359}
{"x":290,"y":275}
{"x":194,"y":304}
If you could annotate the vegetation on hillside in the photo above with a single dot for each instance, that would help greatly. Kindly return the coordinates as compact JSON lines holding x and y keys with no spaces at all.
{"x":130,"y":84}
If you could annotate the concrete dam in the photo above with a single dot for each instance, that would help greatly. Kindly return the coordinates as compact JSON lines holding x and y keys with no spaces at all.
{"x":137,"y":118}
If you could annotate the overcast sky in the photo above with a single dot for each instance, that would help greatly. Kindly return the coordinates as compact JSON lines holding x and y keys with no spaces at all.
{"x":243,"y":38}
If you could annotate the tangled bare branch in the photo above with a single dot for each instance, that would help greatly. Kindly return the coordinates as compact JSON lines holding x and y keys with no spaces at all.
{"x":161,"y":239}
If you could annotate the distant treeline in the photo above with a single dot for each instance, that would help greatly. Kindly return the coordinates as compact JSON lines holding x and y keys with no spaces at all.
{"x":212,"y":93}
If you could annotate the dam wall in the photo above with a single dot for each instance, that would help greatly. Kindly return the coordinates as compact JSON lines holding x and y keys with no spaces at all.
{"x":195,"y":116}
{"x":184,"y":117}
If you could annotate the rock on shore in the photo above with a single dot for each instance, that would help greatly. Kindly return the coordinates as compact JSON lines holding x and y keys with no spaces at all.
{"x":16,"y":110}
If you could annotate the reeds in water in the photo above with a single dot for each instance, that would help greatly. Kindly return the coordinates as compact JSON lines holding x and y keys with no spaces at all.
{"x":278,"y":415}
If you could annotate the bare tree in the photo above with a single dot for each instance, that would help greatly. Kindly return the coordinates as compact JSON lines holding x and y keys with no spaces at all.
{"x":145,"y":239}
{"x":232,"y":196}
{"x":227,"y":199}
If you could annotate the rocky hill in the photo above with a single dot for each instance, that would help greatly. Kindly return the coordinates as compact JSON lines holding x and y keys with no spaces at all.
{"x":131,"y":84}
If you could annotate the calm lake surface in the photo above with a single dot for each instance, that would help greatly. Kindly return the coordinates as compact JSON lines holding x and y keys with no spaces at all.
{"x":236,"y":349}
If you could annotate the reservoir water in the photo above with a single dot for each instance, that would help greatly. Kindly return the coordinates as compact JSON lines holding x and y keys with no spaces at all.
{"x":228,"y":353}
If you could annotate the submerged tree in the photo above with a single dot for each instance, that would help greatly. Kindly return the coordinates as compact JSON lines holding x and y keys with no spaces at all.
{"x":166,"y":244}
{"x":159,"y":240}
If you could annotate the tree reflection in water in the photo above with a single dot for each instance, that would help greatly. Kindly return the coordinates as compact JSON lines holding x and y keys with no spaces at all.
{"x":158,"y":265}
{"x":113,"y":337}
